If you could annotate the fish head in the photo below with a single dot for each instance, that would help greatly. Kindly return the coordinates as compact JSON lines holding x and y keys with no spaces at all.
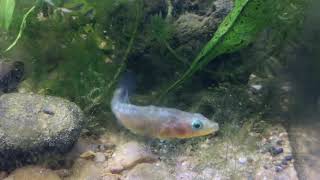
{"x":188,"y":126}
{"x":200,"y":126}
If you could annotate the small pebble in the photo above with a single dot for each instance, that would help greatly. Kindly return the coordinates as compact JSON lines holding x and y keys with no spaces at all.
{"x":284,"y":162}
{"x":100,"y":157}
{"x":288,"y":158}
{"x":279,"y":142}
{"x":204,"y":146}
{"x":275,"y":151}
{"x":278,"y":168}
{"x":278,"y":164}
{"x":283,"y":134}
{"x":242,"y":160}
{"x":250,"y":177}
{"x":208,"y":173}
{"x":129,"y":155}
{"x":48,"y":111}
{"x":88,"y":155}
{"x":250,"y":160}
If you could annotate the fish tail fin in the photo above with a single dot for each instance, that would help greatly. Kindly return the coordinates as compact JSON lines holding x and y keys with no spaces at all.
{"x":125,"y":87}
{"x":127,"y":83}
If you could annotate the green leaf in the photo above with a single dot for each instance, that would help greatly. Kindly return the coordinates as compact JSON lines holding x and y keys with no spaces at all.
{"x":22,"y":27}
{"x":6,"y":12}
{"x":237,"y":30}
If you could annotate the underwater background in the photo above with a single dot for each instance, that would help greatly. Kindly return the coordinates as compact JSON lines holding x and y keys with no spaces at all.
{"x":250,"y":66}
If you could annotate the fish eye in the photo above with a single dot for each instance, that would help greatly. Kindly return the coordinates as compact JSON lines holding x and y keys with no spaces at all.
{"x":197,"y":124}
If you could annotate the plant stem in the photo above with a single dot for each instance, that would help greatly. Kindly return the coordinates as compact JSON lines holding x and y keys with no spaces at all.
{"x":22,"y":27}
{"x":123,"y":65}
{"x":174,"y":53}
{"x":170,"y":9}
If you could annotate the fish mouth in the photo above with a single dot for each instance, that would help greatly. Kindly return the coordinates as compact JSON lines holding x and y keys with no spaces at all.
{"x":212,"y":129}
{"x":208,"y":131}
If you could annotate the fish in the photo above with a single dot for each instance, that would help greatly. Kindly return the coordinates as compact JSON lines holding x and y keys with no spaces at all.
{"x":157,"y":122}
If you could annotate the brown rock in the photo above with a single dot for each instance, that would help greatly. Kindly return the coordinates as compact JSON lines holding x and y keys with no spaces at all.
{"x":85,"y":170}
{"x":34,"y":173}
{"x":128,"y":155}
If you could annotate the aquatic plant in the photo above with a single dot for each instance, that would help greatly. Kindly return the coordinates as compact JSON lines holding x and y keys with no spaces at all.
{"x":22,"y":27}
{"x":161,"y":30}
{"x":77,"y":49}
{"x":6,"y":13}
{"x":239,"y":28}
{"x":123,"y":64}
{"x":59,"y":6}
{"x":76,"y":56}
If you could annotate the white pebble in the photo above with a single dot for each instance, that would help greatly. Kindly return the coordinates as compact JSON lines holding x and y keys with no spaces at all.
{"x":100,"y":157}
{"x":242,"y":160}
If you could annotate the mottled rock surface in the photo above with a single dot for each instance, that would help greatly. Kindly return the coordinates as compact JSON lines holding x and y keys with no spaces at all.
{"x":146,"y":171}
{"x":128,"y":155}
{"x":85,"y":170}
{"x":33,"y":125}
{"x":33,"y":173}
{"x":196,"y":21}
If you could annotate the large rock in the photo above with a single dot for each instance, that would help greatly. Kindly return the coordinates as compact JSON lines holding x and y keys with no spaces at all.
{"x":32,"y":126}
{"x":195,"y":23}
{"x":85,"y":170}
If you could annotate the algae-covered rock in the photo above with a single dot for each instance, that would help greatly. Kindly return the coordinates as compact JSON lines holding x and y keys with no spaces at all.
{"x":189,"y":26}
{"x":200,"y":7}
{"x":32,"y":126}
{"x":193,"y":25}
{"x":195,"y":22}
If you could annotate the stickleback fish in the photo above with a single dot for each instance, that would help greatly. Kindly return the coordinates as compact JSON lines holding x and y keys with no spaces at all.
{"x":158,"y":122}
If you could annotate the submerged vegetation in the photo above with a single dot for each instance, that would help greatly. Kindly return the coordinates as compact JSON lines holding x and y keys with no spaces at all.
{"x":6,"y":12}
{"x":238,"y":29}
{"x":78,"y":49}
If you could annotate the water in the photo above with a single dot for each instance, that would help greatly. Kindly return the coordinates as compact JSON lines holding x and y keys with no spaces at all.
{"x":250,"y":66}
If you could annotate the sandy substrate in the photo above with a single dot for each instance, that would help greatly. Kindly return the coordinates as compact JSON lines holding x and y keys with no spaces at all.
{"x":121,"y":155}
